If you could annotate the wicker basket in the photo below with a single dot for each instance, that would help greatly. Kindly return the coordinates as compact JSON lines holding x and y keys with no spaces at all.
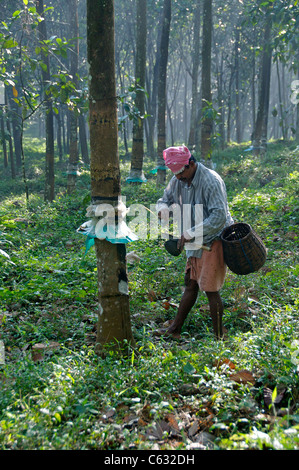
{"x":243,"y":250}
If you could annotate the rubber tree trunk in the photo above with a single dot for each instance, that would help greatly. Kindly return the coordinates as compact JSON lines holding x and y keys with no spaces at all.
{"x":16,"y":125}
{"x":83,"y":139}
{"x":74,"y":57}
{"x":152,"y":101}
{"x":3,"y":139}
{"x":136,"y":173}
{"x":9,"y":137}
{"x":114,"y":327}
{"x":237,"y":85}
{"x":259,"y":140}
{"x":207,"y":122}
{"x":161,"y":123}
{"x":49,"y":169}
{"x":195,"y":68}
{"x":59,"y":141}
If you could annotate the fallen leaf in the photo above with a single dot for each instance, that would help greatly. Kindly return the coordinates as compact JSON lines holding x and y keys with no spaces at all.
{"x":173,"y":422}
{"x":224,"y":361}
{"x":194,"y":428}
{"x":243,"y":377}
{"x":152,"y":296}
{"x":39,"y":349}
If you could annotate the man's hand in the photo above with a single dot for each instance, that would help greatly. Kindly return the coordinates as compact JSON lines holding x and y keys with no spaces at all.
{"x":181,"y":242}
{"x":163,"y":214}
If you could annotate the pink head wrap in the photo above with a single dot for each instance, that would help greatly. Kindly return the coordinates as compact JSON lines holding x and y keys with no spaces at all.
{"x":176,"y":158}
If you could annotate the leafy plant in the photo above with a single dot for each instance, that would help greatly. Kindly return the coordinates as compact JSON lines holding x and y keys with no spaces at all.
{"x":238,"y":394}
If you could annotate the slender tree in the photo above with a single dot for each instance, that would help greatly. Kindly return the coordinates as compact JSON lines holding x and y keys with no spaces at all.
{"x":10,"y":146}
{"x":49,"y":171}
{"x":3,"y":137}
{"x":136,"y":174}
{"x":73,"y":123}
{"x":237,"y":84}
{"x":259,"y":137}
{"x":195,"y":68}
{"x":206,"y":97}
{"x":161,"y":173}
{"x":114,"y":325}
{"x":152,"y":75}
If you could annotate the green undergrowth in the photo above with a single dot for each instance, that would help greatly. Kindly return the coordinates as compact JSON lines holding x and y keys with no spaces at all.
{"x":241,"y":393}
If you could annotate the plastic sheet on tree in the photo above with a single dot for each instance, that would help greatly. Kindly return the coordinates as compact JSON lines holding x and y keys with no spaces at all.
{"x":136,"y":176}
{"x":72,"y":169}
{"x":158,"y":167}
{"x":106,"y":228}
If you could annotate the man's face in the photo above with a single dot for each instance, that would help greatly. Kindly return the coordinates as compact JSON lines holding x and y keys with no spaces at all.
{"x":187,"y":175}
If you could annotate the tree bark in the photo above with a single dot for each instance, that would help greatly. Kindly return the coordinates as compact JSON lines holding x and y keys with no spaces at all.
{"x":49,"y":170}
{"x":136,"y":173}
{"x":16,"y":126}
{"x":219,"y":73}
{"x":207,"y":122}
{"x":59,"y":141}
{"x":10,"y":146}
{"x":259,"y":140}
{"x":161,"y":173}
{"x":74,"y":57}
{"x":83,"y":139}
{"x":152,"y":101}
{"x":195,"y":67}
{"x":114,"y":327}
{"x":3,"y":138}
{"x":237,"y":86}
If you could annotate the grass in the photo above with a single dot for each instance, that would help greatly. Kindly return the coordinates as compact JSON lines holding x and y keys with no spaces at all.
{"x":193,"y":394}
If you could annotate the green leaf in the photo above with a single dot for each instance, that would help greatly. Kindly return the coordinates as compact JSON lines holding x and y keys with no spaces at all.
{"x":43,"y":66}
{"x":274,"y":395}
{"x":188,"y":368}
{"x":9,"y":43}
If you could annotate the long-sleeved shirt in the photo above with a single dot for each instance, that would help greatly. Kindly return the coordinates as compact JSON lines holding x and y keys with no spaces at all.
{"x":207,"y":189}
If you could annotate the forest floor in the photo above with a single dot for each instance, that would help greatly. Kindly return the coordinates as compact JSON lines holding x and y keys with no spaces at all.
{"x":192,"y":394}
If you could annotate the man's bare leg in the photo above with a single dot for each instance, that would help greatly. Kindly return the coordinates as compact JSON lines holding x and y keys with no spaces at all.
{"x":187,"y":302}
{"x":216,"y":312}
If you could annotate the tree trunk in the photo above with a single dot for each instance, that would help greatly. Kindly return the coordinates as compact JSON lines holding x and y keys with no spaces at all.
{"x":195,"y":67}
{"x":3,"y":139}
{"x":281,"y":104}
{"x":207,"y":122}
{"x":220,"y":99}
{"x":83,"y":139}
{"x":59,"y":142}
{"x":49,"y":170}
{"x":114,"y":325}
{"x":136,"y":173}
{"x":161,"y":170}
{"x":10,"y":146}
{"x":74,"y":57}
{"x":259,"y":140}
{"x":237,"y":86}
{"x":16,"y":125}
{"x":295,"y":100}
{"x":253,"y":89}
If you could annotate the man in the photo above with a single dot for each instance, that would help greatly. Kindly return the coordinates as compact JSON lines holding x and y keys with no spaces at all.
{"x":193,"y":184}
